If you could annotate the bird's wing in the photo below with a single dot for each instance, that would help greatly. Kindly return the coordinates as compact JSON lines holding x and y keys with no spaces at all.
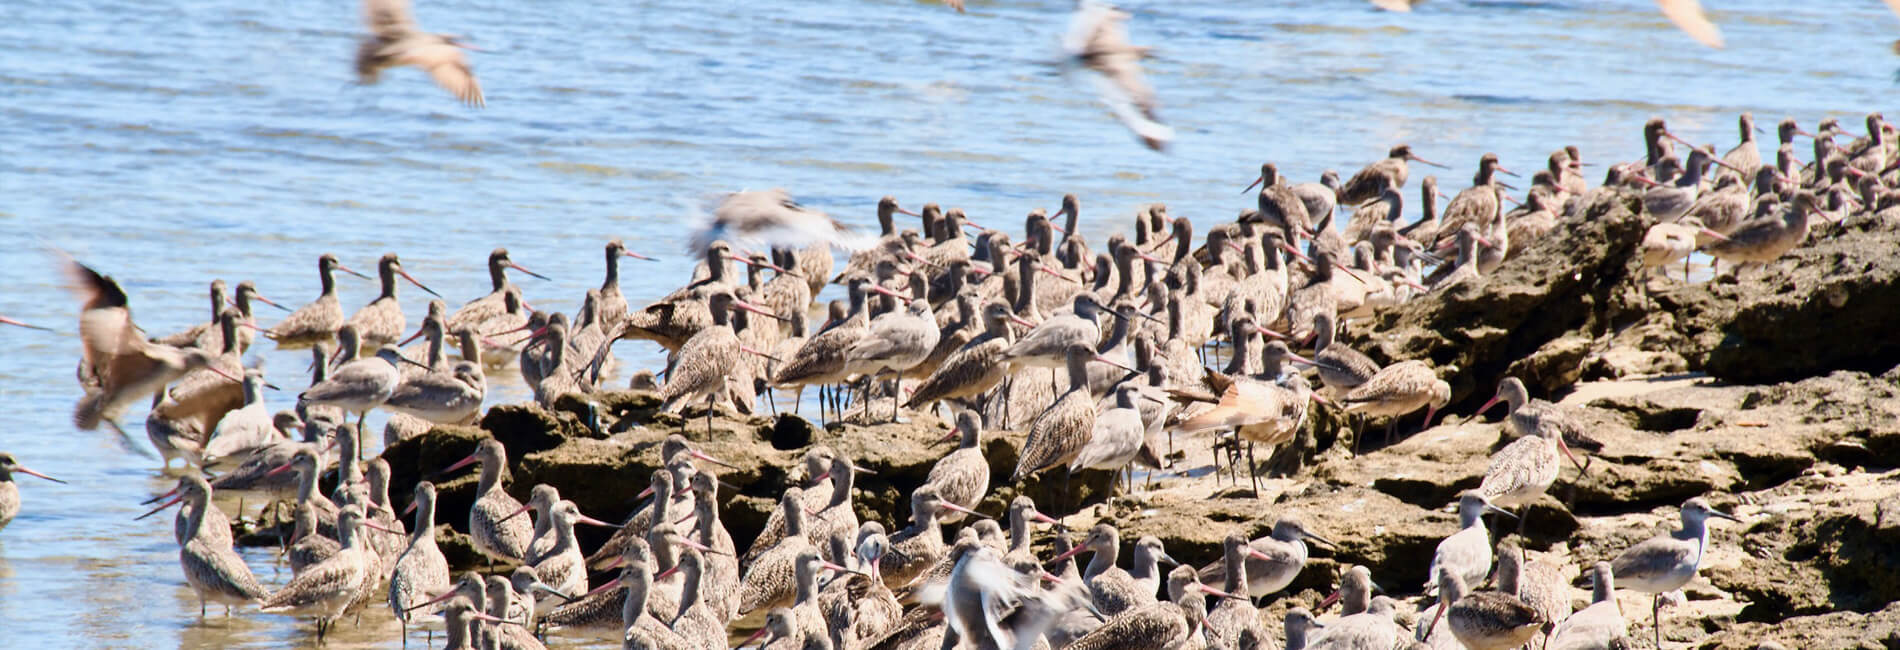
{"x":1687,"y":15}
{"x":1128,"y":96}
{"x":450,"y":68}
{"x":389,"y":18}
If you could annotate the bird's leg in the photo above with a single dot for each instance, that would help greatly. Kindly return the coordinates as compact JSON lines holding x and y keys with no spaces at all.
{"x":709,"y":411}
{"x":201,"y":608}
{"x":1253,"y":476}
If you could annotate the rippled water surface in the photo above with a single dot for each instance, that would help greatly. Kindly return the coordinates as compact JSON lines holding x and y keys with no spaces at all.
{"x":170,"y":144}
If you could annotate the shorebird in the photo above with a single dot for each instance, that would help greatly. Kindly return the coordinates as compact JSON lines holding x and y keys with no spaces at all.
{"x":1480,"y":204}
{"x":1098,"y":40}
{"x":1341,"y":368}
{"x":1594,"y":627}
{"x":1687,"y":15}
{"x":478,"y":312}
{"x":1272,"y":562}
{"x":1666,"y":562}
{"x":308,"y":546}
{"x":918,"y":547}
{"x":768,"y":580}
{"x":319,"y":320}
{"x":822,"y":359}
{"x":1233,"y":616}
{"x":381,"y":322}
{"x":213,"y":569}
{"x":962,"y":477}
{"x":490,"y":531}
{"x":421,"y":570}
{"x":451,"y":395}
{"x":10,"y":492}
{"x":1058,"y":434}
{"x":1397,"y":390}
{"x":1523,"y":470}
{"x":361,"y":385}
{"x":896,"y":342}
{"x":1538,"y":584}
{"x":563,"y":565}
{"x":1388,"y":172}
{"x":1483,"y":620}
{"x":1279,"y":205}
{"x":242,"y":431}
{"x":1765,"y":239}
{"x":1300,"y":626}
{"x":704,"y":362}
{"x":1664,"y":243}
{"x":613,"y":304}
{"x":973,"y":369}
{"x":395,"y":40}
{"x":1466,"y":553}
{"x":772,"y":219}
{"x":327,"y":590}
{"x":117,"y":365}
{"x":1117,"y":436}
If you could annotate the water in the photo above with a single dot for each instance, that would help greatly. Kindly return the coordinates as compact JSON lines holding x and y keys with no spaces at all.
{"x":224,"y":139}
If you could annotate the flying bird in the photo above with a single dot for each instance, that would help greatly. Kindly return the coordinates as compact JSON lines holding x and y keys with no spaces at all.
{"x":394,"y":40}
{"x":771,"y":219}
{"x":1098,"y":40}
{"x":1688,"y":16}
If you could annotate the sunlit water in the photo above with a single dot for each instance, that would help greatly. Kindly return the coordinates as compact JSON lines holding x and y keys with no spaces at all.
{"x":170,"y":145}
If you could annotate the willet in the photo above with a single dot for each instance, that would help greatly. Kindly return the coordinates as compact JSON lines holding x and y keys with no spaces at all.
{"x":1765,"y":239}
{"x":242,"y":431}
{"x":361,"y":385}
{"x":1600,"y":624}
{"x":1666,"y":562}
{"x":1272,"y":562}
{"x":1467,"y":552}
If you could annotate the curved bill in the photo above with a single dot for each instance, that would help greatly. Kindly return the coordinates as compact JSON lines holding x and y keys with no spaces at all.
{"x":260,"y":298}
{"x":524,"y":508}
{"x":695,"y":453}
{"x":584,"y":519}
{"x":957,"y":508}
{"x":552,"y":591}
{"x":1415,"y":158}
{"x":524,"y":269}
{"x":161,"y":507}
{"x":345,"y":269}
{"x":1216,"y":592}
{"x":627,"y":253}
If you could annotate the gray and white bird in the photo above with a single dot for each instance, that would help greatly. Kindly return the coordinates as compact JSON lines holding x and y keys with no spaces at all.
{"x":1098,"y":40}
{"x":772,"y":219}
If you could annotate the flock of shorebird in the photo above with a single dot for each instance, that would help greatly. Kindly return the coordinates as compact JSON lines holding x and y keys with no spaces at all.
{"x":1006,"y":337}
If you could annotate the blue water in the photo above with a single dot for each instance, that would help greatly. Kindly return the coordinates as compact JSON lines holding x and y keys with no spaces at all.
{"x":170,"y":145}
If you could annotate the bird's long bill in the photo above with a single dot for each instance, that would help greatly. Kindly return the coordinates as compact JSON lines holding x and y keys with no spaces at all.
{"x":948,"y":436}
{"x":267,"y":301}
{"x":841,"y":569}
{"x":377,"y":526}
{"x":412,"y":337}
{"x":1073,"y":551}
{"x":161,"y":507}
{"x":695,"y":545}
{"x":1295,"y":252}
{"x":225,"y":375}
{"x":663,"y":574}
{"x":552,"y":591}
{"x":162,"y":497}
{"x":1565,"y":447}
{"x":741,"y":304}
{"x":1036,"y":515}
{"x":702,"y":456}
{"x":1725,"y":515}
{"x":15,"y":323}
{"x":1216,"y":592}
{"x":957,"y":508}
{"x":637,"y":256}
{"x":524,"y":508}
{"x":862,"y":469}
{"x":412,"y":280}
{"x":413,"y":362}
{"x":1415,"y":158}
{"x":1713,"y":235}
{"x":1490,"y":403}
{"x":523,"y":269}
{"x":286,"y":466}
{"x":1430,"y":412}
{"x":23,"y":470}
{"x":1316,"y":538}
{"x":1256,"y":181}
{"x":1500,"y":169}
{"x":465,"y":462}
{"x":1112,"y":362}
{"x":410,"y":509}
{"x":1021,"y":321}
{"x":878,"y":289}
{"x":351,"y":271}
{"x":1494,"y":509}
{"x":760,"y":633}
{"x":1329,"y":600}
{"x":445,"y":596}
{"x":604,"y":587}
{"x":1058,"y":274}
{"x":584,"y":519}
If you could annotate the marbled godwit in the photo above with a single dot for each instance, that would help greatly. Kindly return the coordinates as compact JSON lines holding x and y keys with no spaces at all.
{"x":696,"y":621}
{"x":1389,"y":172}
{"x":721,"y":569}
{"x":242,"y":431}
{"x":8,"y":321}
{"x":781,"y":632}
{"x":1765,"y":239}
{"x":394,"y":40}
{"x":1175,"y":624}
{"x":1523,"y":470}
{"x":1272,"y":561}
{"x":510,"y":633}
{"x":421,"y":570}
{"x":308,"y":546}
{"x":660,"y":487}
{"x":1745,"y":157}
{"x":639,"y":626}
{"x":975,"y":368}
{"x":895,"y":343}
{"x":1386,"y":211}
{"x":1279,"y":205}
{"x":214,"y":571}
{"x":381,"y":322}
{"x":119,"y":365}
{"x":563,"y":566}
{"x":613,"y":304}
{"x":331,"y":587}
{"x":1397,"y":390}
{"x":1479,"y":204}
{"x":1467,"y":553}
{"x":476,"y":313}
{"x":707,"y":358}
{"x":1466,"y":266}
{"x":962,"y":477}
{"x":491,"y":532}
{"x":969,"y":598}
{"x":360,"y":385}
{"x":319,"y":320}
{"x":10,"y":492}
{"x":1597,"y":626}
{"x":254,"y":473}
{"x":1098,"y":40}
{"x":769,"y":219}
{"x":836,"y":516}
{"x":1234,"y":616}
{"x":541,"y":500}
{"x":200,"y":397}
{"x":1538,"y":584}
{"x":1058,"y":434}
{"x":767,"y":582}
{"x":1667,"y":562}
{"x":1670,"y":202}
{"x":918,"y":547}
{"x":1484,"y":620}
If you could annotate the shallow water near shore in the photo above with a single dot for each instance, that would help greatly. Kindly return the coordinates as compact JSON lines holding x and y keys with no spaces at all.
{"x":224,"y":139}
